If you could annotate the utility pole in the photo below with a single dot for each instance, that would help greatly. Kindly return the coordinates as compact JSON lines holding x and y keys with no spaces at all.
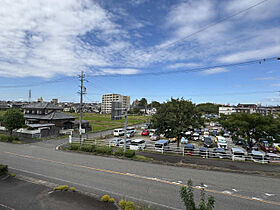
{"x":125,"y":129}
{"x":81,"y":92}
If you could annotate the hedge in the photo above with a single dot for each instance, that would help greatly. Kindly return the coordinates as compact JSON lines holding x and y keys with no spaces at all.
{"x":129,"y":153}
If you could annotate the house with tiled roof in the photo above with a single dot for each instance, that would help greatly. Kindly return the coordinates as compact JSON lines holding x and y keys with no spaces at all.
{"x":47,"y":113}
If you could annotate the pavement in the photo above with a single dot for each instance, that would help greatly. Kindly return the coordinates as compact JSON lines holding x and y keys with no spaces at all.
{"x":153,"y":184}
{"x":20,"y":194}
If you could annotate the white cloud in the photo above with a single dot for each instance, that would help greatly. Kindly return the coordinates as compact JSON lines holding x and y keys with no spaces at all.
{"x":214,"y":71}
{"x":183,"y":65}
{"x":41,"y":38}
{"x":275,"y":85}
{"x":121,"y":71}
{"x":265,"y":78}
{"x":250,"y":54}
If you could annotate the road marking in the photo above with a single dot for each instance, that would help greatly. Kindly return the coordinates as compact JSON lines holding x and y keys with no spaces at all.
{"x":90,"y":187}
{"x":142,"y":177}
{"x":7,"y":207}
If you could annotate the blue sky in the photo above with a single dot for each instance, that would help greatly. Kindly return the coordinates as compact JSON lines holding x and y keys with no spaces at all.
{"x":121,"y":44}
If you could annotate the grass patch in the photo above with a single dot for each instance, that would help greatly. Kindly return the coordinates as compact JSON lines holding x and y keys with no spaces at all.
{"x":102,"y":122}
{"x":141,"y":157}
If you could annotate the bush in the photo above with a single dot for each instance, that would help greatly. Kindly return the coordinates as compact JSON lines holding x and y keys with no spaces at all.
{"x":13,"y":175}
{"x":119,"y":152}
{"x":74,"y":146}
{"x":122,"y":204}
{"x":105,"y":198}
{"x":129,"y":153}
{"x":73,"y":189}
{"x":88,"y":148}
{"x":129,"y":206}
{"x":3,"y":169}
{"x":61,"y":188}
{"x":111,"y":200}
{"x":104,"y":150}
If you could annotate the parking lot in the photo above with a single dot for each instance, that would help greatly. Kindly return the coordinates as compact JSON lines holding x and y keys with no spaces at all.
{"x":198,"y":147}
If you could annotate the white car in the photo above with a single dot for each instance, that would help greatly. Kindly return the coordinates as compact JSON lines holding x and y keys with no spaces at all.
{"x":115,"y":142}
{"x":137,"y":144}
{"x":221,"y":142}
{"x":128,"y":142}
{"x":118,"y":132}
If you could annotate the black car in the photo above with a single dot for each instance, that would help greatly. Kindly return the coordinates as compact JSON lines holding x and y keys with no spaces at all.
{"x":208,"y":142}
{"x":238,"y":141}
{"x":246,"y":146}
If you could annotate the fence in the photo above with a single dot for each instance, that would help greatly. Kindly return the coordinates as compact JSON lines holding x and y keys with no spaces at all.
{"x":190,"y":152}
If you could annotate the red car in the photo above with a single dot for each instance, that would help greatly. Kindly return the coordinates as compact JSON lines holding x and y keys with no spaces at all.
{"x":145,"y":133}
{"x":267,"y":147}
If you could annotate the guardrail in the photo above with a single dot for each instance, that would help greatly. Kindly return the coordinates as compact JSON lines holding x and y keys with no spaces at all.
{"x":185,"y":152}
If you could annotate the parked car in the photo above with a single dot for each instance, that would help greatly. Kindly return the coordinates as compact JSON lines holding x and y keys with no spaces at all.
{"x":195,"y":136}
{"x":267,"y":147}
{"x":212,"y":124}
{"x":221,"y":142}
{"x":220,"y":152}
{"x":245,"y":145}
{"x":173,"y":140}
{"x":203,"y":151}
{"x":214,"y":133}
{"x":277,"y":147}
{"x":189,"y":149}
{"x":115,"y":142}
{"x":184,"y":140}
{"x":128,"y":142}
{"x":129,"y":133}
{"x":162,"y":145}
{"x":208,"y":142}
{"x":155,"y":137}
{"x":118,"y":132}
{"x":238,"y":141}
{"x":226,"y":135}
{"x":137,"y":144}
{"x":238,"y":154}
{"x":152,"y":132}
{"x":145,"y":132}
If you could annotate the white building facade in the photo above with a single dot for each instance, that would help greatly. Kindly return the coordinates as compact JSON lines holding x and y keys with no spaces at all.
{"x":107,"y":99}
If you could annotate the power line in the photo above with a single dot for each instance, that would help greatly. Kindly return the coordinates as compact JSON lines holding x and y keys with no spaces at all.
{"x":207,"y":27}
{"x":160,"y":73}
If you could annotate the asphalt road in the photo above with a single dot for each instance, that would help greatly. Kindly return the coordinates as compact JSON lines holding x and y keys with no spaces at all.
{"x":151,"y":183}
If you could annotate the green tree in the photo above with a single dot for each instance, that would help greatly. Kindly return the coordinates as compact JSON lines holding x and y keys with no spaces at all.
{"x":187,"y":196}
{"x":208,"y":108}
{"x":13,"y":119}
{"x":252,"y":126}
{"x":143,"y":102}
{"x":154,"y":104}
{"x":174,"y":118}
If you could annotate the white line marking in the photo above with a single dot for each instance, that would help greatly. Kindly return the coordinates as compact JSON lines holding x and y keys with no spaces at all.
{"x":95,"y":188}
{"x":255,"y":198}
{"x":7,"y":207}
{"x":227,"y":192}
{"x":267,"y":194}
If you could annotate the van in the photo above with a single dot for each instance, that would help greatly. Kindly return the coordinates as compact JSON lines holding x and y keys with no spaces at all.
{"x":119,"y":132}
{"x":137,"y":144}
{"x":221,"y":142}
{"x":162,"y":145}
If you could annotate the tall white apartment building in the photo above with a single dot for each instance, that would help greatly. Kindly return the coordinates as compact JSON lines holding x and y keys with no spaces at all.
{"x":107,"y":100}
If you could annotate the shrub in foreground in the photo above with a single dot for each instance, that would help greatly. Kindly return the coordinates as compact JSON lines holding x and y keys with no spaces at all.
{"x":129,"y":153}
{"x":105,"y":198}
{"x":187,"y":196}
{"x":74,"y":146}
{"x":61,"y":188}
{"x":104,"y":150}
{"x":119,"y":152}
{"x":3,"y":169}
{"x":111,"y":200}
{"x":87,"y":148}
